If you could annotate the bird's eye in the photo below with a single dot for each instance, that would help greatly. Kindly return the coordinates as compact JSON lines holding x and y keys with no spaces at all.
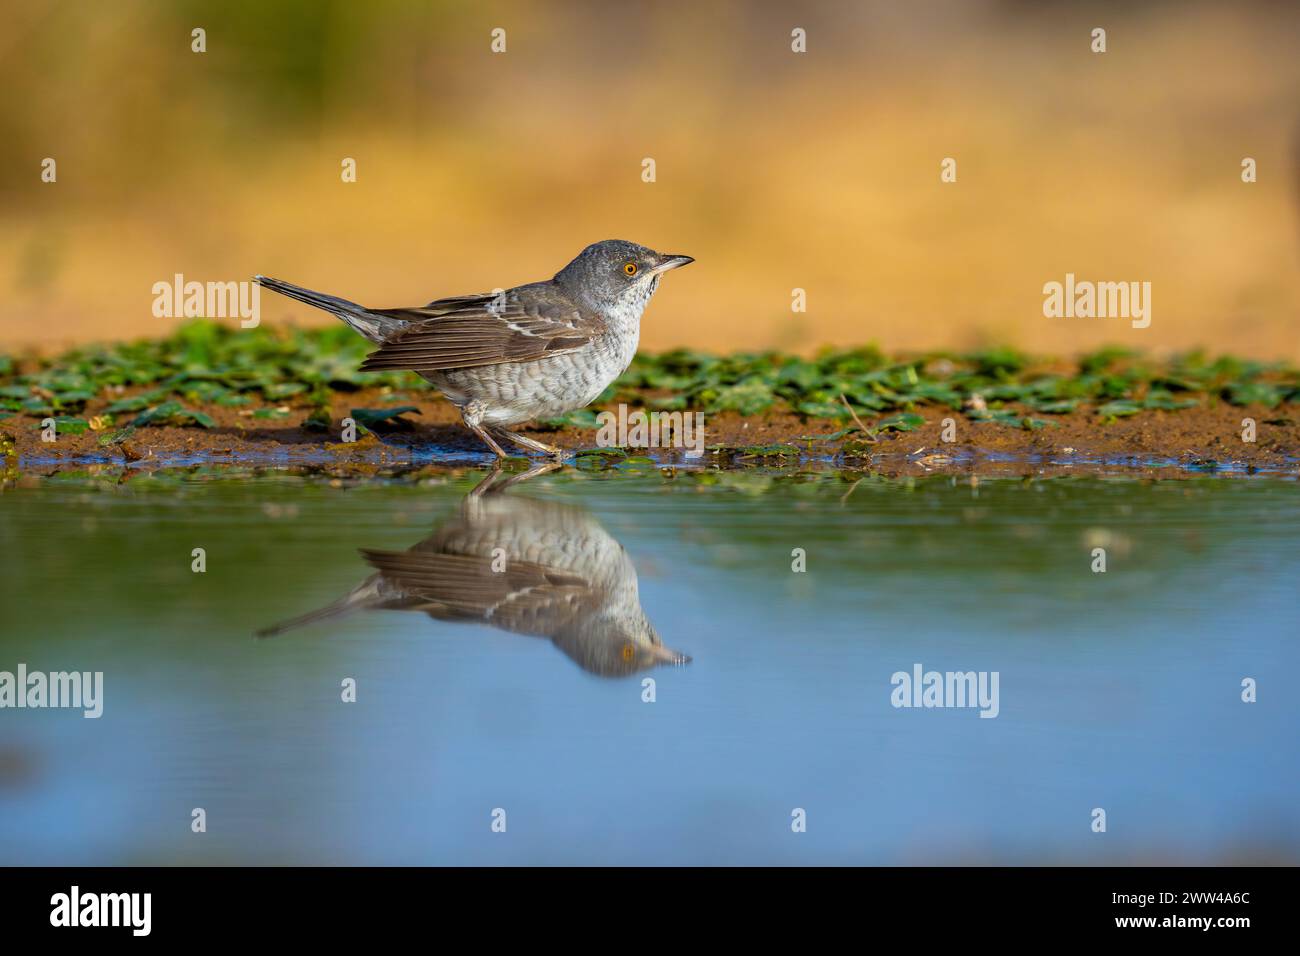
{"x":629,"y":268}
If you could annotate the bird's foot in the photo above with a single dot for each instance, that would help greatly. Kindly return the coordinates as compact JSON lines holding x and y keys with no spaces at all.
{"x":523,"y":441}
{"x":498,"y":479}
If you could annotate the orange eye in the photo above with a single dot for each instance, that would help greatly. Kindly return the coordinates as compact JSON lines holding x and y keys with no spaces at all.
{"x":629,"y":268}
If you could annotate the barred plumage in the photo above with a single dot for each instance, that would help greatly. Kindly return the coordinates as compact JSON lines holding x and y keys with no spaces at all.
{"x":537,"y":350}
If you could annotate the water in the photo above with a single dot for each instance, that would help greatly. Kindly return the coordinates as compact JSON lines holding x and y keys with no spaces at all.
{"x":1119,"y":690}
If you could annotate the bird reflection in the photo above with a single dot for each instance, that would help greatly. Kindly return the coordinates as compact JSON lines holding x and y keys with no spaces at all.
{"x":531,"y":567}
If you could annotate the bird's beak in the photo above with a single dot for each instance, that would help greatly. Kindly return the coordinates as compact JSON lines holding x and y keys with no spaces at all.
{"x":667,"y":262}
{"x":666,"y":655}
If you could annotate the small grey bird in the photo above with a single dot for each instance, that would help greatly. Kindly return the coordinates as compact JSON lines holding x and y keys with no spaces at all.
{"x":530,"y":567}
{"x":534,"y":351}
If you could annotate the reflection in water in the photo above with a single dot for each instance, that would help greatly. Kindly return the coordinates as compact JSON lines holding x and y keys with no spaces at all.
{"x":530,"y":567}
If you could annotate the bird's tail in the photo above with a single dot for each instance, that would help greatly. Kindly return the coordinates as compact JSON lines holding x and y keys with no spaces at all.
{"x":372,"y":325}
{"x":337,"y":609}
{"x":366,"y":595}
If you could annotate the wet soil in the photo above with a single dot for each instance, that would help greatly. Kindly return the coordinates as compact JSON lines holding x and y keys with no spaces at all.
{"x":1166,"y":443}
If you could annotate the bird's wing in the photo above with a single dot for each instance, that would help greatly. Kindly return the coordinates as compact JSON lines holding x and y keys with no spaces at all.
{"x":525,"y":597}
{"x":520,"y":325}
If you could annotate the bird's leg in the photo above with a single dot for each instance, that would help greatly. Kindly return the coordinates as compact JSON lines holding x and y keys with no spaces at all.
{"x":482,"y":433}
{"x":473,"y":417}
{"x":525,"y":442}
{"x":491,"y":483}
{"x":494,"y":483}
{"x":541,"y":468}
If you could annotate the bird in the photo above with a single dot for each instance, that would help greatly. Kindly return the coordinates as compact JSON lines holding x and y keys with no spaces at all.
{"x":533,"y":351}
{"x":540,"y":568}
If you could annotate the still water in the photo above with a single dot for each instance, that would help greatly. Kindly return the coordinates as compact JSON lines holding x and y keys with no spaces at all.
{"x":499,"y":642}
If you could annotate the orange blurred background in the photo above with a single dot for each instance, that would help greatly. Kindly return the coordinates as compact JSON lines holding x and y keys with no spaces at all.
{"x":776,"y":170}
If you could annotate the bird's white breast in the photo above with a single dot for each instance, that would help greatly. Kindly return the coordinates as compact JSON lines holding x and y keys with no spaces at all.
{"x":516,"y":392}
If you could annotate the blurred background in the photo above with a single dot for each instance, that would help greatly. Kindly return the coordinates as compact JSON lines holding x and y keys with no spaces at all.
{"x":775,"y":170}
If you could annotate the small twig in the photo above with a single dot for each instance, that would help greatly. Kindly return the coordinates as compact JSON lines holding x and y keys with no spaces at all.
{"x":870,"y":437}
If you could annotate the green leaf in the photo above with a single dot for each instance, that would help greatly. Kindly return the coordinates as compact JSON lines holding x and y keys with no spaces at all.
{"x":1253,"y":393}
{"x":801,"y":374}
{"x":68,"y":426}
{"x":578,"y":418}
{"x":158,"y":413}
{"x":600,"y":458}
{"x":319,"y":420}
{"x":747,"y":398}
{"x":281,"y":390}
{"x":1158,"y":398}
{"x":370,"y":417}
{"x":1055,"y":408}
{"x":769,"y":451}
{"x":37,"y":406}
{"x":1103,"y":359}
{"x":899,"y":423}
{"x":200,"y":418}
{"x":173,"y":413}
{"x":134,"y":403}
{"x":1119,"y":408}
{"x":999,"y":416}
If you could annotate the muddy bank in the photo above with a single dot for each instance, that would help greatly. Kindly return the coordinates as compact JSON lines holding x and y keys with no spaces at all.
{"x":1189,"y":440}
{"x":273,"y":396}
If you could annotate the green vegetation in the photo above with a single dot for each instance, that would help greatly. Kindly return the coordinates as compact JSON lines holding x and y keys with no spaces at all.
{"x":986,"y":384}
{"x":205,"y":363}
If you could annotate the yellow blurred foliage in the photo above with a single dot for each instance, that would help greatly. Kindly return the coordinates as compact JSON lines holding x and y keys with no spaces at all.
{"x":776,"y":170}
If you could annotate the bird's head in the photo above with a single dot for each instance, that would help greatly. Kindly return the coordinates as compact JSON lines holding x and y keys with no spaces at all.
{"x":615,"y":647}
{"x":616,"y":273}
